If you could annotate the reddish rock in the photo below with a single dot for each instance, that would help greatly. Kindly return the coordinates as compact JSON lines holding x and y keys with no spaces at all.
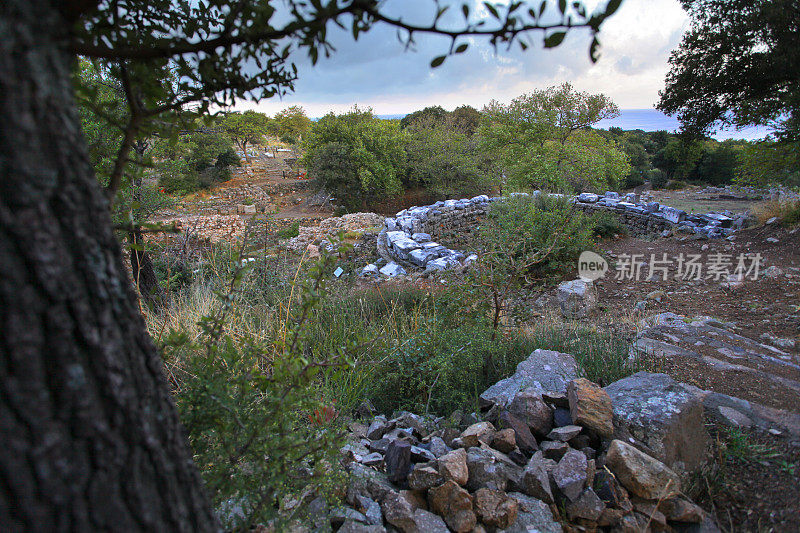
{"x":522,"y":433}
{"x":476,"y":434}
{"x":454,"y":504}
{"x":504,"y":440}
{"x":424,"y":476}
{"x":641,"y":474}
{"x":495,"y":508}
{"x":590,"y":406}
{"x":529,"y":407}
{"x":453,"y":466}
{"x":682,"y":510}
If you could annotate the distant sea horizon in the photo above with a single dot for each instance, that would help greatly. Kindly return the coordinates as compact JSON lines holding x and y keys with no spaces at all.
{"x":655,"y":120}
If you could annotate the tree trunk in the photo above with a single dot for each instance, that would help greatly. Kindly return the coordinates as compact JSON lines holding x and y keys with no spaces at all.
{"x":91,"y":439}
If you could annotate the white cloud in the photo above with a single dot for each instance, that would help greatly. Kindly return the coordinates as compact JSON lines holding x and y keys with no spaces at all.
{"x":377,"y":72}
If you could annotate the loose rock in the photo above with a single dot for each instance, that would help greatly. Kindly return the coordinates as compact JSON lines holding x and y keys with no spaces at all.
{"x":455,"y":505}
{"x":570,"y":474}
{"x":641,"y":474}
{"x":590,"y":406}
{"x":453,"y":466}
{"x":494,"y":508}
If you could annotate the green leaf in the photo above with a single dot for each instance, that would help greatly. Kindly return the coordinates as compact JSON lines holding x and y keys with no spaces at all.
{"x":461,"y":48}
{"x":437,"y":61}
{"x":554,"y":39}
{"x":465,"y":10}
{"x":562,"y":6}
{"x":491,"y":9}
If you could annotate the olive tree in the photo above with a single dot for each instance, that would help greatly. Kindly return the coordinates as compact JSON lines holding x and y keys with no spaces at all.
{"x":544,"y":140}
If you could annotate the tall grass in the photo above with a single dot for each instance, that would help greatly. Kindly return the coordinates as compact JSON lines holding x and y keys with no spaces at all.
{"x":787,"y":212}
{"x":410,"y":348}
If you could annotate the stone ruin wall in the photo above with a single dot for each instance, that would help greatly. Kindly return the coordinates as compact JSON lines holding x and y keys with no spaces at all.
{"x":455,"y":226}
{"x":638,"y":224}
{"x":430,"y":236}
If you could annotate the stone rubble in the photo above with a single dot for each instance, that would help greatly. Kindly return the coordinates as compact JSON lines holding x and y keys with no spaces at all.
{"x":328,"y":229}
{"x":494,"y":475}
{"x":207,"y":228}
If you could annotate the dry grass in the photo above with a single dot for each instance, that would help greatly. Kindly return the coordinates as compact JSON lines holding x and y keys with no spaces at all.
{"x":787,"y":212}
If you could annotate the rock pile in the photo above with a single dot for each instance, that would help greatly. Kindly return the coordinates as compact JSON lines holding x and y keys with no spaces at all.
{"x":548,"y":452}
{"x":248,"y":194}
{"x":209,"y":228}
{"x":329,"y":228}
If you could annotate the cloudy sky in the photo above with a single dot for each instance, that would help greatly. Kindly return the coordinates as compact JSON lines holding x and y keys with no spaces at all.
{"x":377,"y":72}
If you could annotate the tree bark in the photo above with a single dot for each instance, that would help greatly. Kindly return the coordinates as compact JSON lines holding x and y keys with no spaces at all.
{"x":91,"y":439}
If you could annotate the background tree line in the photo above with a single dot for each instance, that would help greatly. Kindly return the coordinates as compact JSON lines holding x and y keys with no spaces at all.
{"x":542,"y":140}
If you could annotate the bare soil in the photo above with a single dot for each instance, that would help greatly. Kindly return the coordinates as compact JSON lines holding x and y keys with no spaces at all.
{"x":753,"y":484}
{"x":747,"y":488}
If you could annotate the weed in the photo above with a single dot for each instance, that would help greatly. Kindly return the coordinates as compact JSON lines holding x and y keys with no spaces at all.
{"x":290,"y":231}
{"x":787,"y":212}
{"x":676,"y":185}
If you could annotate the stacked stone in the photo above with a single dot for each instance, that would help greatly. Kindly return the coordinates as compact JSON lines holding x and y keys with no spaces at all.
{"x":551,"y":449}
{"x":415,"y":236}
{"x":208,"y":228}
{"x":328,"y":229}
{"x":409,"y":235}
{"x":651,"y":217}
{"x":248,"y":194}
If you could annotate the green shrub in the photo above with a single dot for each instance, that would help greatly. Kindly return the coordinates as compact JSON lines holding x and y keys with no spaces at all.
{"x":544,"y":235}
{"x":632,"y":180}
{"x":228,"y":158}
{"x":250,"y":405}
{"x":676,"y":185}
{"x":607,"y":226}
{"x":657,"y":178}
{"x":290,"y":231}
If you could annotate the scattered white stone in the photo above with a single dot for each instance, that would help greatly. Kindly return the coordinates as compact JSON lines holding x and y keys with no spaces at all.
{"x":370,"y":270}
{"x":392,"y":270}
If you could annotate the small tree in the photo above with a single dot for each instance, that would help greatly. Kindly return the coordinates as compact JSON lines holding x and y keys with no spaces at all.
{"x":543,"y":140}
{"x":526,"y":239}
{"x":246,"y":128}
{"x":356,"y":155}
{"x":292,"y":124}
{"x":444,"y":157}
